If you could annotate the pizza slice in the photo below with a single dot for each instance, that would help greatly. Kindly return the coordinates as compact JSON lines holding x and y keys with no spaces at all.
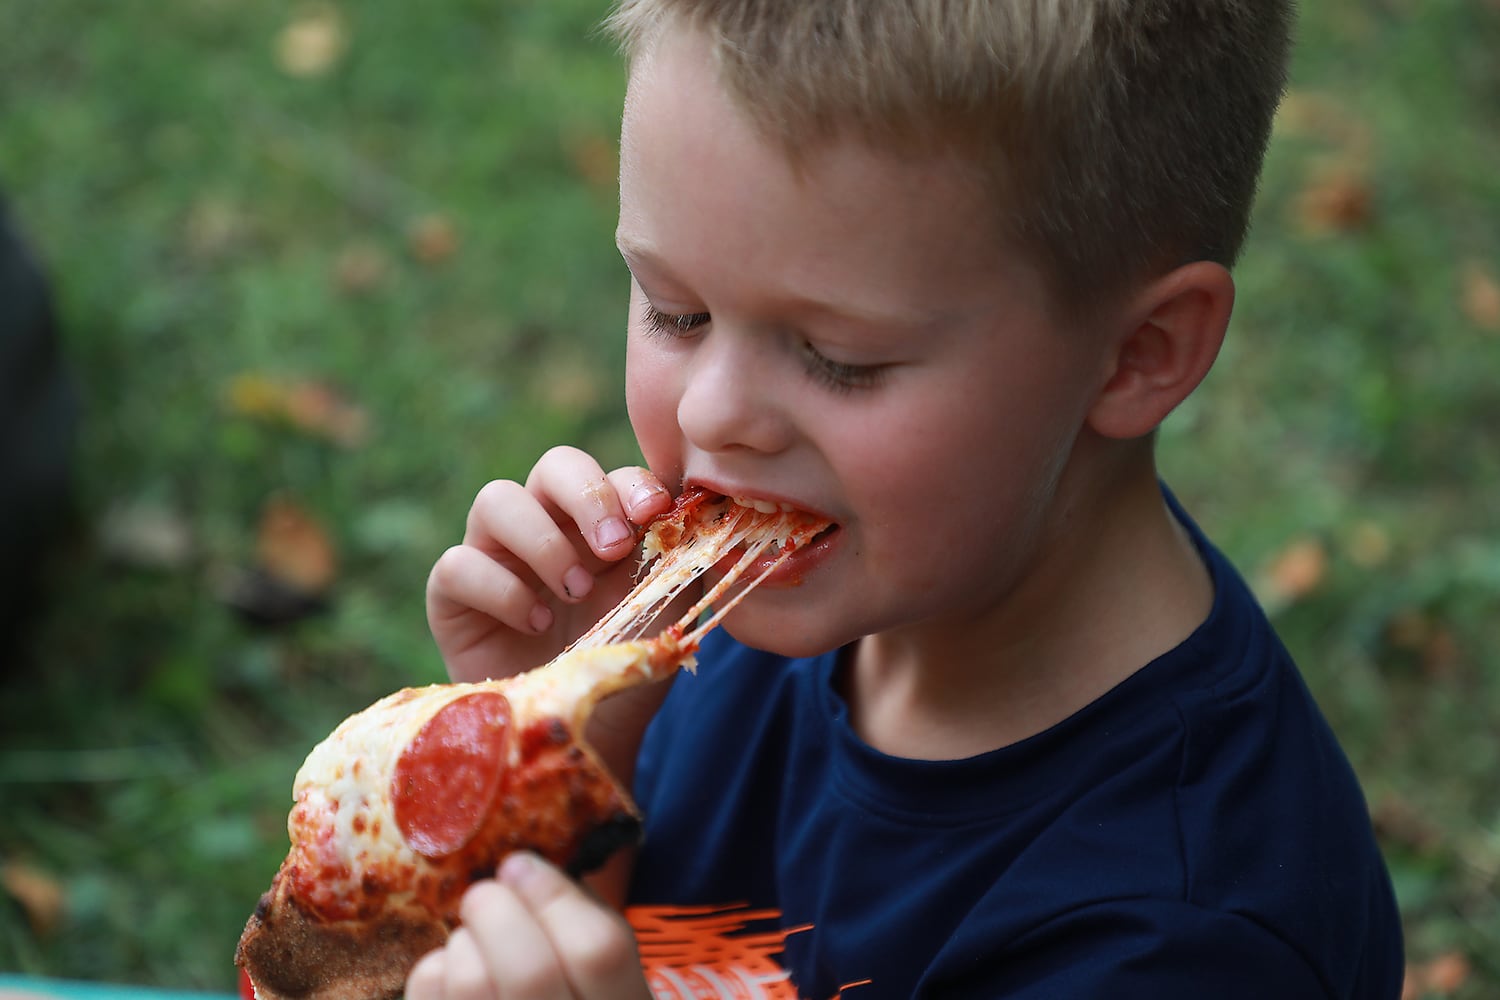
{"x":412,"y":800}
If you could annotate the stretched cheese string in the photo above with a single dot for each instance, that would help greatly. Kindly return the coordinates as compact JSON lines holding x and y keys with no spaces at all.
{"x":679,"y":566}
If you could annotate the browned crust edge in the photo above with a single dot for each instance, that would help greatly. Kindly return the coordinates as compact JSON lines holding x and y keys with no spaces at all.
{"x":293,"y":955}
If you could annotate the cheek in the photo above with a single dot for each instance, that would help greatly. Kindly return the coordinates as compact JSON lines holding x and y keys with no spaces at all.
{"x":952,"y":468}
{"x":651,"y":394}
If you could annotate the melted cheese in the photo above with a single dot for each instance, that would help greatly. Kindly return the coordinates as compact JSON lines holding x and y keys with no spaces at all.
{"x":349,"y":857}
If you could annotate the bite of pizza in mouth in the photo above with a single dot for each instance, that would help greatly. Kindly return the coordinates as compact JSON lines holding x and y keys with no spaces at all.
{"x":782,"y":507}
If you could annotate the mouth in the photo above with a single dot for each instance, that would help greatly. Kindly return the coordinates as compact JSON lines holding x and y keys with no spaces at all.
{"x":804,"y":541}
{"x":783,"y":507}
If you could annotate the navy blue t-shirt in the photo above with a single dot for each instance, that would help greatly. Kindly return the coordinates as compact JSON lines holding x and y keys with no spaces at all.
{"x":1195,"y":832}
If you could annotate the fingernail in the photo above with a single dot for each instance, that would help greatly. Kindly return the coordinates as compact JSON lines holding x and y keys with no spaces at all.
{"x":643,"y":494}
{"x":520,"y":869}
{"x":541,"y":618}
{"x":577,"y":582}
{"x":611,"y":532}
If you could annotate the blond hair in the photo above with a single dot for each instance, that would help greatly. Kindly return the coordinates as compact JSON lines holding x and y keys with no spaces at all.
{"x":1123,"y":136}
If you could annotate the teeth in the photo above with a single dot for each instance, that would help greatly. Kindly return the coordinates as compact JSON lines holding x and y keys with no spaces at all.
{"x":764,"y":506}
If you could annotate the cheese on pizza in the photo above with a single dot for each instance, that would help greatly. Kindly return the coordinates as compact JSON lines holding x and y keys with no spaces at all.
{"x":410,"y":801}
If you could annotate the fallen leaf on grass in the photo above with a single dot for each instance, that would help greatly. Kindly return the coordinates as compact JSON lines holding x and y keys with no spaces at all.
{"x":311,"y":406}
{"x":321,"y":411}
{"x":432,"y":238}
{"x":296,"y":564}
{"x":1443,"y":976}
{"x":1294,"y":572}
{"x":1430,"y":640}
{"x":41,"y":896}
{"x":1336,"y":199}
{"x":312,"y":42}
{"x":1398,"y":821}
{"x":360,"y":268}
{"x":294,"y":547}
{"x":1481,"y":297}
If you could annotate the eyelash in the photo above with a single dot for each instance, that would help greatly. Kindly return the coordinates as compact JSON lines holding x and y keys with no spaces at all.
{"x":835,"y":375}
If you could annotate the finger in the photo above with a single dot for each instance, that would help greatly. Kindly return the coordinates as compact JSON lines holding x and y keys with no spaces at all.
{"x":595,"y":946}
{"x":644,"y":495}
{"x":575,"y":483}
{"x":464,"y":579}
{"x":507,"y":521}
{"x":522,"y":961}
{"x":427,"y":977}
{"x":466,"y":976}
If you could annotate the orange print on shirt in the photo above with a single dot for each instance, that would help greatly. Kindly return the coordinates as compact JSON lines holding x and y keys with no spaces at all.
{"x":707,"y":953}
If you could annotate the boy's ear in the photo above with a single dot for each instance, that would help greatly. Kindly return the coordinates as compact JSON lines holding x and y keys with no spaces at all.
{"x":1170,"y":338}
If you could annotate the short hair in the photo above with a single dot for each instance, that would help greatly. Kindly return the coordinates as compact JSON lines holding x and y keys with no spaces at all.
{"x":1124,"y":137}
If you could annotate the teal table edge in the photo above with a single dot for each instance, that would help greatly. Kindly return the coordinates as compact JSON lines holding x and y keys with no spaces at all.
{"x":77,"y":989}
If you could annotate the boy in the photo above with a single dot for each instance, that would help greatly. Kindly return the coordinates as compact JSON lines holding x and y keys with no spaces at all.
{"x":935,"y":271}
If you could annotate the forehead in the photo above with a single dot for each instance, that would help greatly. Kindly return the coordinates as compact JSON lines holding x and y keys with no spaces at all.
{"x":701,"y":181}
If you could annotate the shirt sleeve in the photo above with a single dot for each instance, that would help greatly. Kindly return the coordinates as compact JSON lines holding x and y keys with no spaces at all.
{"x":1135,"y":949}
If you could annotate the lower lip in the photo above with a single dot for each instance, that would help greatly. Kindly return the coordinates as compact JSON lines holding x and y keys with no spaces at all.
{"x":795,"y":569}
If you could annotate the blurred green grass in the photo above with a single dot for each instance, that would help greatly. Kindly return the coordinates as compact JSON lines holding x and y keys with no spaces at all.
{"x":424,"y":225}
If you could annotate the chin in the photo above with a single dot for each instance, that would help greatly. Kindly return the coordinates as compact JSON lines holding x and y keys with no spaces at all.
{"x":778,"y":635}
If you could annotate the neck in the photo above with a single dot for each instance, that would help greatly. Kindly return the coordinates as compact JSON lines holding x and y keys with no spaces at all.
{"x":1116,"y":586}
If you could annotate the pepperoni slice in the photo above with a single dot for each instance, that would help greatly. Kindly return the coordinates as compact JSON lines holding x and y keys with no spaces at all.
{"x":449,"y":774}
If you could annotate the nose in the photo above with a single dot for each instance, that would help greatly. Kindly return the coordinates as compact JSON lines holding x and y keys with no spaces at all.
{"x":732,"y":399}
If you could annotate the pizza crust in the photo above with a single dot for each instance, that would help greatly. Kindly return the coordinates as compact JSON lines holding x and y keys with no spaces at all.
{"x":294,"y":955}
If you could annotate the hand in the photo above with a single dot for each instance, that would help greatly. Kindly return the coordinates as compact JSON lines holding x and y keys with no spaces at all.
{"x":532,"y":934}
{"x":539,"y":563}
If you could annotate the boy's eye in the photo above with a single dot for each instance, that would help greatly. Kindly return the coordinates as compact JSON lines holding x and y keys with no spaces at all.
{"x":837,"y":375}
{"x":840,"y":375}
{"x":673,"y":324}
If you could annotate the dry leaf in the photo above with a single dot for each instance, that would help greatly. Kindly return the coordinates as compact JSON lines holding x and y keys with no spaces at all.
{"x":41,"y":896}
{"x":312,"y":42}
{"x":292,"y":546}
{"x":313,"y":407}
{"x":1296,"y":571}
{"x":432,"y":238}
{"x":1398,"y":821}
{"x":1336,"y":199}
{"x":320,"y":411}
{"x":252,"y":394}
{"x":360,"y":268}
{"x":1443,"y":976}
{"x":1481,"y":297}
{"x":1448,"y":973}
{"x":1408,"y":629}
{"x":1441,"y":654}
